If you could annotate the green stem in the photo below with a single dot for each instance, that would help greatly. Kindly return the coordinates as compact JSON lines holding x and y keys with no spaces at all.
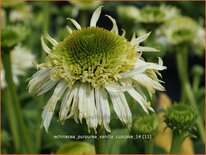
{"x":187,"y":89}
{"x":149,"y":146}
{"x":177,"y":140}
{"x":84,"y":18}
{"x":191,"y":98}
{"x":100,"y":143}
{"x":16,"y":105}
{"x":46,"y":19}
{"x":12,"y":118}
{"x":196,"y":83}
{"x":38,"y":123}
{"x":182,"y":61}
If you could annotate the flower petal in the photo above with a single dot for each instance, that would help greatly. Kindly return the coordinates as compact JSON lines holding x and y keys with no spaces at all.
{"x":123,"y":33}
{"x":121,"y":107}
{"x":82,"y":101}
{"x":69,"y":29}
{"x":91,"y":110}
{"x":95,"y":16}
{"x":145,"y":49}
{"x":50,"y":39}
{"x":138,"y":98}
{"x":141,"y":66}
{"x":39,"y":78}
{"x":115,"y":88}
{"x":148,"y":82}
{"x":65,"y":105}
{"x":74,"y":95}
{"x":138,"y":40}
{"x":45,"y":47}
{"x":46,"y":87}
{"x":51,"y":104}
{"x":103,"y":110}
{"x":75,"y":23}
{"x":114,"y":28}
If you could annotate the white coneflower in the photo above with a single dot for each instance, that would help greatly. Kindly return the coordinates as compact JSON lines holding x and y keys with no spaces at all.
{"x":90,"y":65}
{"x":157,"y":14}
{"x":180,"y":30}
{"x":21,"y":13}
{"x":21,"y":60}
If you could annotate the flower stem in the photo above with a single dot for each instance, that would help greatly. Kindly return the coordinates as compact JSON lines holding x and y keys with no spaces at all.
{"x":12,"y":118}
{"x":84,"y":18}
{"x":186,"y":87}
{"x":100,"y":143}
{"x":149,"y":146}
{"x":15,"y":101}
{"x":177,"y":140}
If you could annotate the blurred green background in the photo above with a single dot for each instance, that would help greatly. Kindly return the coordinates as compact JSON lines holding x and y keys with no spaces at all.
{"x":32,"y":19}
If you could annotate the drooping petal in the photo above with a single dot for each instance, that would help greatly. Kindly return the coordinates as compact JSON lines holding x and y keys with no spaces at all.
{"x":45,"y":47}
{"x":148,"y":82}
{"x":76,"y":24}
{"x":115,"y":88}
{"x":39,"y":78}
{"x":65,"y":105}
{"x":82,"y":101}
{"x":138,"y":98}
{"x":74,"y":107}
{"x":91,"y":119}
{"x":46,"y":87}
{"x":103,"y":110}
{"x":98,"y":105}
{"x":50,"y":39}
{"x":141,"y":66}
{"x":123,"y":33}
{"x":51,"y":104}
{"x":69,"y":29}
{"x":121,"y":107}
{"x":145,"y":49}
{"x":95,"y":16}
{"x":138,"y":40}
{"x":114,"y":27}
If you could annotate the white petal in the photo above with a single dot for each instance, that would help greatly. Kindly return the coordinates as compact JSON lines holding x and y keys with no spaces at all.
{"x":65,"y":105}
{"x":95,"y":16}
{"x":160,"y":62}
{"x":138,"y":40}
{"x":123,"y":33}
{"x":114,"y":87}
{"x":92,"y":121}
{"x":128,"y":116}
{"x":114,"y":28}
{"x":69,"y":29}
{"x":46,"y":87}
{"x":39,"y":78}
{"x":121,"y":107}
{"x":75,"y":23}
{"x":98,"y":105}
{"x":74,"y":107}
{"x":82,"y":101}
{"x":145,"y":49}
{"x":103,"y":110}
{"x":141,"y":66}
{"x":149,"y":83}
{"x":138,"y":98}
{"x":66,"y":71}
{"x":51,"y":40}
{"x":51,"y":104}
{"x":45,"y":47}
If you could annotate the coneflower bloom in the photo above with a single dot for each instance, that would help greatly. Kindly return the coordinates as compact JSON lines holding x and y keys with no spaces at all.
{"x":21,"y":61}
{"x":90,"y":66}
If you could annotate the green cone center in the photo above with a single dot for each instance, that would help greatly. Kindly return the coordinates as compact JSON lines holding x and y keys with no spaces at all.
{"x":94,"y":55}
